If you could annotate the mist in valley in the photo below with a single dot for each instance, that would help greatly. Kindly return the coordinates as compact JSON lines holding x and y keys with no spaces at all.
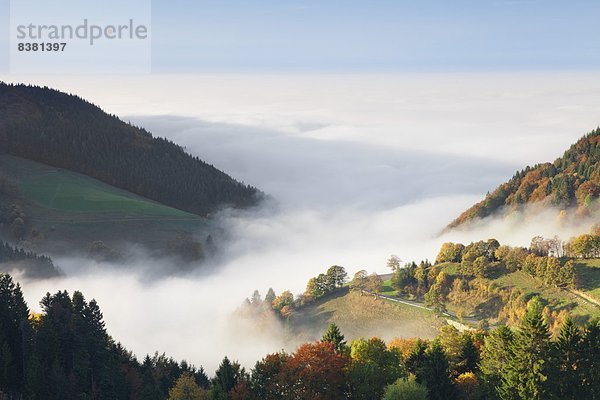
{"x":385,"y":181}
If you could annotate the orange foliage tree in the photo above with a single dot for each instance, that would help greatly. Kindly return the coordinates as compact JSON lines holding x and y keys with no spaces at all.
{"x":316,"y":371}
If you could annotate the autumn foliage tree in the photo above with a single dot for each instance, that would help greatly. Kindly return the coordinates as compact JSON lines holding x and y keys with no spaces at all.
{"x":450,"y":252}
{"x":316,"y":371}
{"x":326,"y":283}
{"x":186,"y":388}
{"x":359,"y":281}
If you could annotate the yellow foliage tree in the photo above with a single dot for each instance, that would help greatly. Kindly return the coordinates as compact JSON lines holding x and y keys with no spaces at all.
{"x":467,"y":386}
{"x":186,"y":388}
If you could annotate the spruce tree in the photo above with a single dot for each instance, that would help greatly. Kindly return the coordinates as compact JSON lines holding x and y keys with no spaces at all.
{"x":436,"y":373}
{"x":567,"y":381}
{"x":495,"y":353}
{"x":228,"y":375}
{"x":468,"y":356}
{"x":528,"y":368}
{"x":13,"y":328}
{"x":270,"y":296}
{"x":335,"y":337}
{"x":416,"y":360}
{"x":590,"y":363}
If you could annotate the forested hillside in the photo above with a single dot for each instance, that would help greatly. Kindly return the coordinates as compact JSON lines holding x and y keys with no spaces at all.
{"x":572,"y":180}
{"x":65,"y":353}
{"x":30,"y":264}
{"x":64,"y":131}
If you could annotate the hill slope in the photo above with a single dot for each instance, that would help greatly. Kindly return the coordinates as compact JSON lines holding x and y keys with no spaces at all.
{"x":364,"y":316}
{"x":64,"y":131}
{"x":571,"y":180}
{"x":52,"y":209}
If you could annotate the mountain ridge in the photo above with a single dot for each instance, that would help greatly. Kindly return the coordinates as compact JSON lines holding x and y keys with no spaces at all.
{"x":571,"y":181}
{"x":65,"y":131}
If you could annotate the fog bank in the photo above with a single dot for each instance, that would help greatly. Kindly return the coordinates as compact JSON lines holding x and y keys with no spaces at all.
{"x":359,"y":168}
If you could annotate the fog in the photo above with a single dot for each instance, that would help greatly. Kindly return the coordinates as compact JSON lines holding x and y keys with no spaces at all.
{"x":357,"y":168}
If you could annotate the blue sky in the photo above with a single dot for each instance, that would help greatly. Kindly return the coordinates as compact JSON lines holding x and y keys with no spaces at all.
{"x":370,"y":36}
{"x":347,"y":35}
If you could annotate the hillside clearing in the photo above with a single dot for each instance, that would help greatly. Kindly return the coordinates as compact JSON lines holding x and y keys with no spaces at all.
{"x":365,"y":316}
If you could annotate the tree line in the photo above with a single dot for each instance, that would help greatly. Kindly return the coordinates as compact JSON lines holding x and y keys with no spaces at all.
{"x":317,"y":287}
{"x":461,"y":273}
{"x":66,"y":353}
{"x":524,"y":363}
{"x":31,"y":264}
{"x":286,"y":304}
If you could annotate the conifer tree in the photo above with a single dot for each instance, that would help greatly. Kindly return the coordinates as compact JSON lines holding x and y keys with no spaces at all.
{"x":416,"y":360}
{"x":567,"y":380}
{"x":468,"y":356}
{"x":228,"y":375}
{"x":334,"y":336}
{"x":495,"y":353}
{"x":590,"y":363}
{"x":270,"y":296}
{"x":528,"y":368}
{"x":13,"y":328}
{"x":436,"y":373}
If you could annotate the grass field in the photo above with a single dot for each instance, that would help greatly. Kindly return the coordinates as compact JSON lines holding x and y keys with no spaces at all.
{"x":75,"y":193}
{"x":73,"y":208}
{"x":588,"y":272}
{"x":66,"y":191}
{"x":451,"y":268}
{"x":387,"y":289}
{"x":364,"y":316}
{"x":556,"y":298}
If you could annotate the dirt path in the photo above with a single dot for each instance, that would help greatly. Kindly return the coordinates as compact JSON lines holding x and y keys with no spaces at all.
{"x":584,"y":296}
{"x":451,"y":318}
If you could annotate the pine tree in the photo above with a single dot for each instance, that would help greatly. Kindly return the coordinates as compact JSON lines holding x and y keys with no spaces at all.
{"x":13,"y":329}
{"x":335,"y":337}
{"x":436,"y":373}
{"x":228,"y":375}
{"x":150,"y":390}
{"x":416,"y":360}
{"x":256,"y":299}
{"x":468,"y":356}
{"x":527,"y":370}
{"x":567,"y":382}
{"x":270,"y":296}
{"x":494,"y":357}
{"x":590,"y":364}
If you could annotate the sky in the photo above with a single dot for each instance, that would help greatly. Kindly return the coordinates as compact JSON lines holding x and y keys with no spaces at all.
{"x":366,"y":36}
{"x":389,"y":35}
